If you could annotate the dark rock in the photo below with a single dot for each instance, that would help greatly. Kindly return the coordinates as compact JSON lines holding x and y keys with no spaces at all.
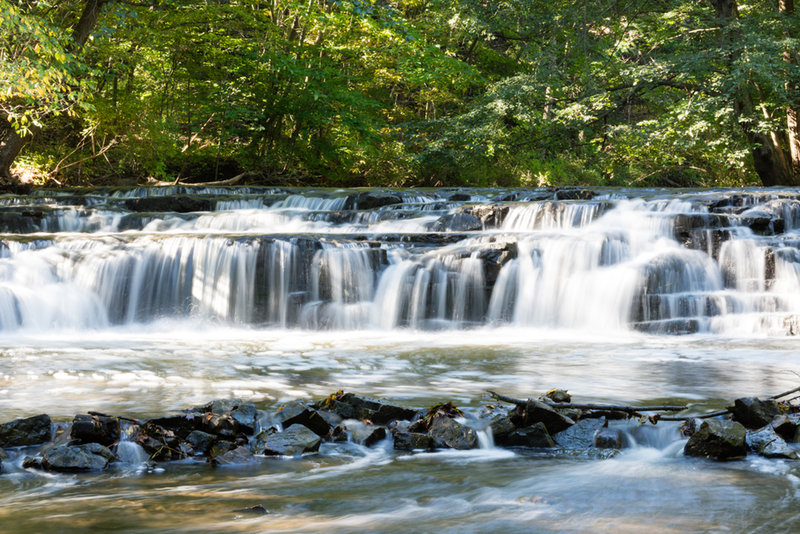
{"x":786,"y":426}
{"x":536,"y":411}
{"x":331,"y":418}
{"x":160,"y":443}
{"x":460,"y":197}
{"x":255,"y":510}
{"x":411,"y":441}
{"x":95,"y":429}
{"x":170,"y":203}
{"x":376,"y":436}
{"x":245,"y":416}
{"x":718,"y":439}
{"x":3,"y":455}
{"x":535,"y":436}
{"x":297,"y":413}
{"x":30,"y":462}
{"x":239,"y":455}
{"x":377,"y":411}
{"x":752,"y":412}
{"x":200,"y":441}
{"x":574,"y":194}
{"x":501,"y":427}
{"x":77,"y":458}
{"x":371,"y":200}
{"x":220,"y":425}
{"x":581,"y":435}
{"x":766,"y":442}
{"x":608,"y":438}
{"x":490,"y":216}
{"x":28,"y":431}
{"x":222,"y":447}
{"x":558,"y":395}
{"x":448,"y":433}
{"x":297,"y":439}
{"x":457,"y":222}
{"x":181,"y":424}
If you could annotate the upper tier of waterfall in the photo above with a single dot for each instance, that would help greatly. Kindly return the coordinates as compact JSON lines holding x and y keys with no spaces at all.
{"x":723,"y":261}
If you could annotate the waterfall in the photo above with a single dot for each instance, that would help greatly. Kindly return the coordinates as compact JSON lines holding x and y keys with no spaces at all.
{"x":623,"y":260}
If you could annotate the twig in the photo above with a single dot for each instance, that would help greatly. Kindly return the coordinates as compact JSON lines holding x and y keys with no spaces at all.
{"x":99,"y":414}
{"x":785,"y":393}
{"x":689,"y":416}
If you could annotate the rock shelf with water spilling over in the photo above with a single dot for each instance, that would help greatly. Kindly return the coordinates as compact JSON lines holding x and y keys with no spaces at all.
{"x":654,"y":261}
{"x":229,"y":432}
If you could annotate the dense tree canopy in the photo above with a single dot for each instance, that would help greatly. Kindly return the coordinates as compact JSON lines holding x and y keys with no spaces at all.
{"x":404,"y":92}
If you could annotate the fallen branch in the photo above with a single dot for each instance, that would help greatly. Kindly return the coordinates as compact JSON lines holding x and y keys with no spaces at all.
{"x":726,"y":411}
{"x":606,"y":407}
{"x":100,"y":414}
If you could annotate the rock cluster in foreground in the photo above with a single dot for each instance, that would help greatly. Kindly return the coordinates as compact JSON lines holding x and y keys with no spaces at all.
{"x":227,"y":432}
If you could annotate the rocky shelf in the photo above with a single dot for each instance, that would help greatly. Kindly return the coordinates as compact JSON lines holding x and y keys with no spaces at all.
{"x":226,"y":432}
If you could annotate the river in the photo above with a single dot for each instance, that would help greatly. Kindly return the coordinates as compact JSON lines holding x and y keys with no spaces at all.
{"x":143,"y":301}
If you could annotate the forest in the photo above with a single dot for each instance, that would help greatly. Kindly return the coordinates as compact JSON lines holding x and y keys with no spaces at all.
{"x":400,"y":93}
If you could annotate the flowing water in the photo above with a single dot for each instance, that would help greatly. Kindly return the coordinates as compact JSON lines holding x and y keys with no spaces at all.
{"x":138,"y":302}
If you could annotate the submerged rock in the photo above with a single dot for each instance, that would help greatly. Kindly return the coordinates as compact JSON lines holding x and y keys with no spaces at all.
{"x":297,"y":439}
{"x":77,"y":458}
{"x":200,"y":441}
{"x":239,"y":455}
{"x":608,"y":438}
{"x":412,"y":441}
{"x":753,"y":412}
{"x":27,"y":431}
{"x":718,"y":439}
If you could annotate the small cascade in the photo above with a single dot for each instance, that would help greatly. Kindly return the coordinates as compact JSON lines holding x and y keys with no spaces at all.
{"x":621,"y":260}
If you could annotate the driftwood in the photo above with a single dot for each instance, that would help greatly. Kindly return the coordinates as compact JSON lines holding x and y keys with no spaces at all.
{"x":604,"y":407}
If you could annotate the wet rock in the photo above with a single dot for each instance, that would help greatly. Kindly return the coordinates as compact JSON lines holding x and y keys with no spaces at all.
{"x":581,"y":435}
{"x":160,"y":443}
{"x":297,"y":439}
{"x":220,"y":425}
{"x":245,"y":416}
{"x":200,"y":441}
{"x":239,"y":455}
{"x":535,"y":436}
{"x":608,"y":438}
{"x":766,"y":442}
{"x":753,"y":412}
{"x":222,"y":447}
{"x":460,"y":197}
{"x":30,"y":462}
{"x":27,"y":431}
{"x":3,"y":455}
{"x":254,"y":510}
{"x":501,"y":427}
{"x":181,"y":424}
{"x":298,"y":413}
{"x":786,"y":426}
{"x":95,"y":429}
{"x":457,"y":222}
{"x":574,"y":194}
{"x":536,"y":411}
{"x":358,"y":432}
{"x":333,"y":419}
{"x":494,"y":259}
{"x":718,"y":439}
{"x":490,"y":216}
{"x":370,"y":200}
{"x":558,"y":395}
{"x":77,"y":458}
{"x":448,"y":433}
{"x":412,"y":441}
{"x":377,"y":411}
{"x":376,"y":436}
{"x":171,"y":203}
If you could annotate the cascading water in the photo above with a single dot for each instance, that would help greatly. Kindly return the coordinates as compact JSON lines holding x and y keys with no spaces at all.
{"x":683,"y":263}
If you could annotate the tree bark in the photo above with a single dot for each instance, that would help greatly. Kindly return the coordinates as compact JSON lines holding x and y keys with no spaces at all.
{"x":11,"y":144}
{"x":786,"y":8}
{"x":771,"y":161}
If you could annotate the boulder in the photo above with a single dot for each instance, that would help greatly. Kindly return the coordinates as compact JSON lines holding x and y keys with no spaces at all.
{"x":95,"y":429}
{"x":377,"y":411}
{"x":766,"y":442}
{"x":535,"y":436}
{"x":297,"y":439}
{"x":501,"y":427}
{"x":412,"y":441}
{"x":718,"y":439}
{"x":181,"y":424}
{"x":77,"y":458}
{"x":245,"y":415}
{"x":448,"y":433}
{"x":608,"y":438}
{"x":28,"y":431}
{"x":753,"y":412}
{"x":457,"y":222}
{"x":239,"y":455}
{"x":298,"y":413}
{"x":580,"y":435}
{"x":538,"y":412}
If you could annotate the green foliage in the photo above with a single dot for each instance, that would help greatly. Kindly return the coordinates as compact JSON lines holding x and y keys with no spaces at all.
{"x":361,"y":92}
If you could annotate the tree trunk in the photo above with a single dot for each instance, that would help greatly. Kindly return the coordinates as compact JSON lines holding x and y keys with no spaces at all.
{"x":10,"y":145}
{"x":786,"y":7}
{"x":771,"y":161}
